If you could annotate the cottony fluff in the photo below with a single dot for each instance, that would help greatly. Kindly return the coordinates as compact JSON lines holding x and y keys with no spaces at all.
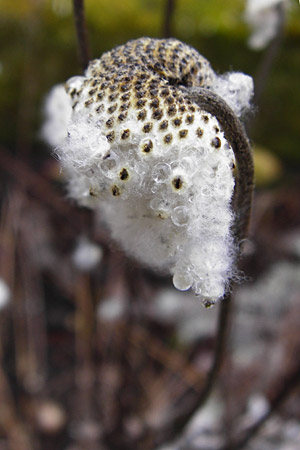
{"x":156,"y":166}
{"x":263,"y":18}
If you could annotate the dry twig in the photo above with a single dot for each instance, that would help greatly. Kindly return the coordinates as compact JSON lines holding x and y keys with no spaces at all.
{"x":168,"y":16}
{"x":289,"y":384}
{"x":81,"y":32}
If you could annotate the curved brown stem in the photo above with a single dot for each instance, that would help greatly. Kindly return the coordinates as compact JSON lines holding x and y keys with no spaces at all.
{"x":236,"y":136}
{"x":81,"y":31}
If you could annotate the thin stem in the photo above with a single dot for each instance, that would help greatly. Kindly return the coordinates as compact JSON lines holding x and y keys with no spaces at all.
{"x":85,"y":370}
{"x":269,"y":56}
{"x":235,"y":134}
{"x":220,"y":348}
{"x":219,"y":352}
{"x":33,"y":357}
{"x":190,"y":403}
{"x":169,"y":12}
{"x":268,"y":59}
{"x":81,"y":31}
{"x":17,"y":435}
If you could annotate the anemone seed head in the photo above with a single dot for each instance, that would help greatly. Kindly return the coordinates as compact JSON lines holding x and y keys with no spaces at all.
{"x":155,"y":165}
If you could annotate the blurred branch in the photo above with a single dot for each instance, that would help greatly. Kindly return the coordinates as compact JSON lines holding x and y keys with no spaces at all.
{"x":30,"y":80}
{"x":81,"y":31}
{"x":84,"y":413}
{"x":191,"y":403}
{"x":30,"y":180}
{"x":289,"y":384}
{"x":267,"y":62}
{"x":171,"y":359}
{"x":41,"y":188}
{"x":32,"y":304}
{"x":168,"y":16}
{"x":269,"y":56}
{"x":37,"y":185}
{"x":18,"y":436}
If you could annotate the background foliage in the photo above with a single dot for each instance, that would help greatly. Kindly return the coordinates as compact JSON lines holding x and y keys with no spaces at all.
{"x":100,"y":359}
{"x":39,"y":49}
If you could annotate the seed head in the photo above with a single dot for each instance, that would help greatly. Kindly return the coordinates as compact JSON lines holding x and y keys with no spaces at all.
{"x":156,"y":166}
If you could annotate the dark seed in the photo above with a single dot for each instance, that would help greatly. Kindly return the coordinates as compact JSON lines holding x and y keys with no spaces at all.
{"x":124,"y":175}
{"x":189,"y":119}
{"x":177,"y":122}
{"x":111,"y":136}
{"x":199,"y":132}
{"x":168,"y":138}
{"x":124,"y":107}
{"x":125,"y":134}
{"x":115,"y":190}
{"x":177,"y":183}
{"x":112,"y":97}
{"x":147,"y":127}
{"x":112,"y":109}
{"x":172,"y":110}
{"x":165,"y":92}
{"x":183,"y":133}
{"x":125,"y":97}
{"x":157,"y":114}
{"x":154,"y":103}
{"x":125,"y":87}
{"x":153,"y":92}
{"x":142,"y":115}
{"x":216,"y":142}
{"x":170,"y":100}
{"x":122,"y":117}
{"x":147,"y":147}
{"x":88,"y":102}
{"x":164,"y":125}
{"x":140,"y":103}
{"x":109,"y":123}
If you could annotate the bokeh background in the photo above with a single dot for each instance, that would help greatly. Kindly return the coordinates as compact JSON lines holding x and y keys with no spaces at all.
{"x":96,"y":352}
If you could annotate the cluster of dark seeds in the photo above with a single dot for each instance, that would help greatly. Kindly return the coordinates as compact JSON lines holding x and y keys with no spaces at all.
{"x":146,"y":76}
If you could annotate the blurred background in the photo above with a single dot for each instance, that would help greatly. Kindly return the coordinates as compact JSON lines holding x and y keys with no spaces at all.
{"x":96,"y":352}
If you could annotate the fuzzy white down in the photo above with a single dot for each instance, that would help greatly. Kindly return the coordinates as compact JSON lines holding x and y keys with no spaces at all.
{"x":57,"y":112}
{"x":262,"y":16}
{"x":5,"y":294}
{"x":236,"y":89}
{"x":87,"y":255}
{"x":185,"y":232}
